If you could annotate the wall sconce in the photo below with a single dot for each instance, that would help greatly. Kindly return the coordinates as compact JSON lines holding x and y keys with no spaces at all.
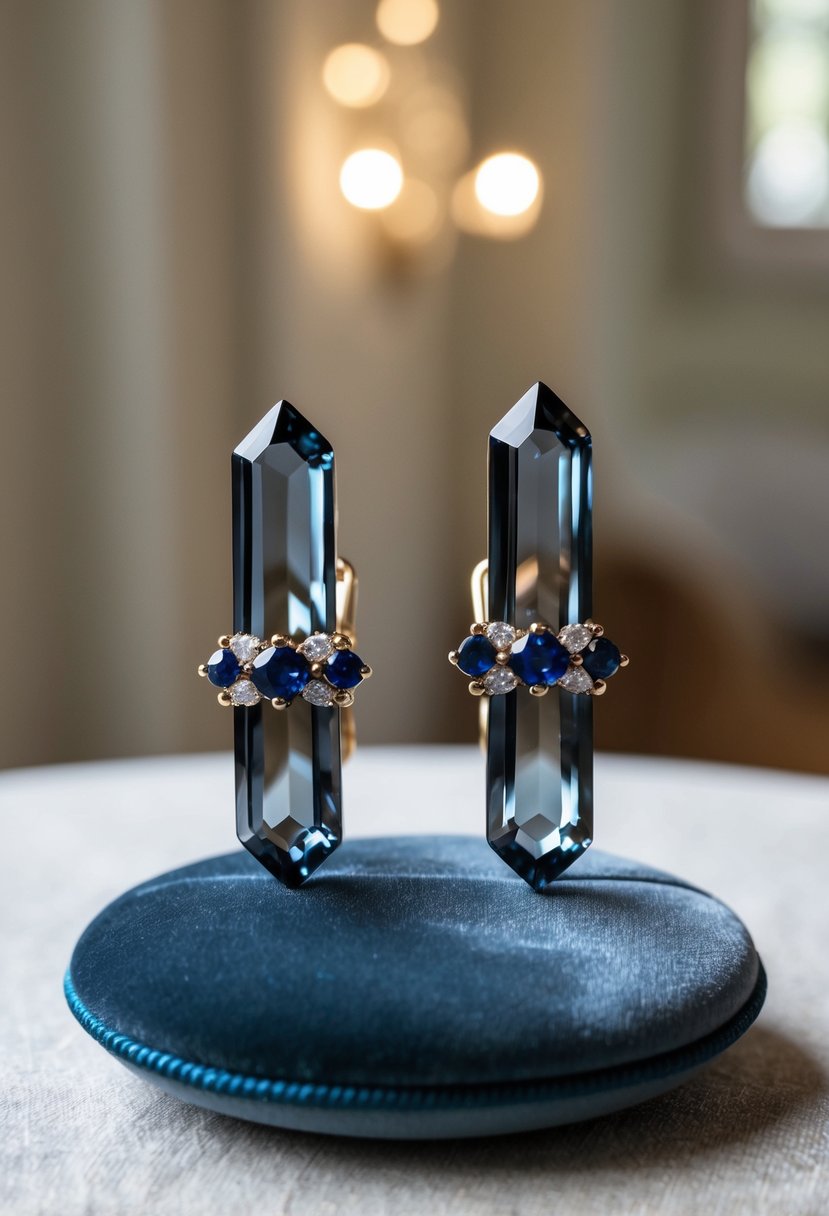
{"x":413,"y":182}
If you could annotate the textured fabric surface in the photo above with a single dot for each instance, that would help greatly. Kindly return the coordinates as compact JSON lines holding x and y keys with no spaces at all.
{"x":414,"y":961}
{"x":82,"y":1137}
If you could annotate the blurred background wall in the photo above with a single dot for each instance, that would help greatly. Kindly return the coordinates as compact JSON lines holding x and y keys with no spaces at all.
{"x":178,"y":254}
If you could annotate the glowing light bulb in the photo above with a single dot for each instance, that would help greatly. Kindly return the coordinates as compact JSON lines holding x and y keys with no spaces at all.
{"x":507,"y":184}
{"x":356,"y":75}
{"x":371,"y":179}
{"x":407,"y":22}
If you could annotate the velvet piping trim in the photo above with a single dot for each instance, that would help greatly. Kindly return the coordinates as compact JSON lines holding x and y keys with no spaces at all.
{"x":430,"y":1097}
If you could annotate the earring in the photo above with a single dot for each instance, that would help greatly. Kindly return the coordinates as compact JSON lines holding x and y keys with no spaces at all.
{"x":535,"y":657}
{"x":292,"y":690}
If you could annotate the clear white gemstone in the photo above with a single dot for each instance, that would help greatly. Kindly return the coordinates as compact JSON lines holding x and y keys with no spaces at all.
{"x":245,"y":646}
{"x":317,"y":692}
{"x":317,"y":647}
{"x":575,"y":637}
{"x":500,"y":680}
{"x":576,"y":679}
{"x":500,"y":634}
{"x":244,"y":692}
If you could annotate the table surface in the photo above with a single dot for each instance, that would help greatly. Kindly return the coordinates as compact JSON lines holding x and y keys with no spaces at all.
{"x":750,"y":1134}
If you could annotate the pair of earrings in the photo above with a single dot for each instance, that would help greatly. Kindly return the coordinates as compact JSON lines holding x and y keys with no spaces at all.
{"x":533,"y":636}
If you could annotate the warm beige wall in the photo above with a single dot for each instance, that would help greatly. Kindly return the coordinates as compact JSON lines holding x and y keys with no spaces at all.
{"x":177,"y":256}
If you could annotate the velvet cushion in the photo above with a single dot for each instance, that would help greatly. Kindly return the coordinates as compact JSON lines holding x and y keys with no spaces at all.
{"x":415,"y":986}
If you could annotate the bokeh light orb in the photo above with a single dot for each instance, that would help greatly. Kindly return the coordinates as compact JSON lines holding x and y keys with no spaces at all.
{"x":788,"y":180}
{"x":356,"y":75}
{"x":407,"y":22}
{"x":371,"y":179}
{"x":507,"y":183}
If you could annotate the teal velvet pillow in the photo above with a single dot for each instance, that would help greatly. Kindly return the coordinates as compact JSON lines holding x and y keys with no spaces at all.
{"x":415,"y":987}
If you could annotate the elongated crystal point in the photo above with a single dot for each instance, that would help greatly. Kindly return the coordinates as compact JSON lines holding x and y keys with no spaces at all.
{"x":288,"y":765}
{"x":540,"y":750}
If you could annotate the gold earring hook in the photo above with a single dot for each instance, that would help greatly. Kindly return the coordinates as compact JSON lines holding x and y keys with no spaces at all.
{"x":346,"y":596}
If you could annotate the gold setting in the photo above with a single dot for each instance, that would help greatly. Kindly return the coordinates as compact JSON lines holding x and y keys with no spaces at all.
{"x":478,"y":687}
{"x":342,"y":638}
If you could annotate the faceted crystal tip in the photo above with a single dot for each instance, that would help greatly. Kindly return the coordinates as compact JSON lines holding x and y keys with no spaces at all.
{"x":284,"y":424}
{"x":541,"y":410}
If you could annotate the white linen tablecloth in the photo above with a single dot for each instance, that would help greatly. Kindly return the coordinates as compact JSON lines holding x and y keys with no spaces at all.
{"x":81,"y":1135}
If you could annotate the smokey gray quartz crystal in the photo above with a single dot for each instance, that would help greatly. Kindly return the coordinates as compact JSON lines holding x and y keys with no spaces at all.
{"x":288,"y":762}
{"x":540,"y":750}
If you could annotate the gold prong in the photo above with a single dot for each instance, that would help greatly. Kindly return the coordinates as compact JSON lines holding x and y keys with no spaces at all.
{"x":476,"y":688}
{"x":624,"y":661}
{"x":202,"y":669}
{"x":224,"y":641}
{"x":316,"y":669}
{"x":537,"y":627}
{"x":599,"y":688}
{"x":279,"y":703}
{"x":538,"y":690}
{"x":366,"y":672}
{"x":596,"y":630}
{"x":576,"y":660}
{"x":453,"y":657}
{"x":502,"y":657}
{"x":344,"y":699}
{"x":341,"y":641}
{"x":224,"y":698}
{"x":477,"y":628}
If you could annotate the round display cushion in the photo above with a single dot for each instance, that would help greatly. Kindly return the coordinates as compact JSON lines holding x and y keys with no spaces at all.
{"x":415,"y":987}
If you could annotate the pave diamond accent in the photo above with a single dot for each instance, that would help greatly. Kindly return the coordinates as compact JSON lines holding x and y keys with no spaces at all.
{"x":245,"y":646}
{"x":288,"y":764}
{"x":500,"y":680}
{"x":244,"y":692}
{"x":501,"y":635}
{"x":316,"y":648}
{"x":317,"y":692}
{"x":539,"y":750}
{"x":576,"y":679}
{"x":575,"y":637}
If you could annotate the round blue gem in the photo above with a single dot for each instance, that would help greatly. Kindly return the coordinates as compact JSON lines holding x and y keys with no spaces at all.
{"x":344,"y":669}
{"x":602,"y":659}
{"x":223,"y":668}
{"x":539,"y":658}
{"x":280,"y":671}
{"x":476,"y":655}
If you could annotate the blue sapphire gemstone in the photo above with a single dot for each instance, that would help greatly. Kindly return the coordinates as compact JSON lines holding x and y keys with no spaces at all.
{"x":223,"y":668}
{"x":539,"y":658}
{"x":476,"y":655}
{"x":344,"y":669}
{"x":280,"y":671}
{"x":601,"y":659}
